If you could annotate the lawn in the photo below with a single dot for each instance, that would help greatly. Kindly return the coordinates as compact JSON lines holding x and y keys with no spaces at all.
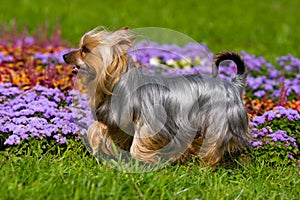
{"x":41,"y":170}
{"x":77,"y":175}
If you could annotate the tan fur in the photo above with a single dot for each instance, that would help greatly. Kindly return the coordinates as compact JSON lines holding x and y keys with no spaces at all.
{"x":101,"y":139}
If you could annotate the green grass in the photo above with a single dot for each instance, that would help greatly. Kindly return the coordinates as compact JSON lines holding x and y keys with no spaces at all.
{"x":77,"y":175}
{"x":269,"y":28}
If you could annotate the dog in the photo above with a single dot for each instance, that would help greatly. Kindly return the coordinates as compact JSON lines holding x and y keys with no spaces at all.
{"x":155,"y":117}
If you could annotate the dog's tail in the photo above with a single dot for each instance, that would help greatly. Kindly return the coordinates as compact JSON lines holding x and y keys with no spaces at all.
{"x":240,"y":78}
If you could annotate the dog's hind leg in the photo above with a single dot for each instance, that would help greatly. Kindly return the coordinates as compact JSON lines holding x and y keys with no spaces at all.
{"x":211,"y":153}
{"x":215,"y":141}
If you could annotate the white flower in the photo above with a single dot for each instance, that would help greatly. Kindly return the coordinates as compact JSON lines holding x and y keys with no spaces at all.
{"x":171,"y":62}
{"x":154,"y":61}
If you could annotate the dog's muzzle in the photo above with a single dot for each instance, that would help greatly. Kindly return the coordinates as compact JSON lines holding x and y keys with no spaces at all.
{"x":66,"y":58}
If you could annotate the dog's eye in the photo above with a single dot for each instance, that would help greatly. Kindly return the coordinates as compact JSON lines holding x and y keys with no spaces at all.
{"x":84,"y":49}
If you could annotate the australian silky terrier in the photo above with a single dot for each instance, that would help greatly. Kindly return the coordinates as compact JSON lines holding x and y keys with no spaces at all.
{"x":156,"y":117}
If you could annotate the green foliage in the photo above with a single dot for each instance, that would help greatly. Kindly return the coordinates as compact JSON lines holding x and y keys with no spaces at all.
{"x":276,"y":152}
{"x":291,"y":127}
{"x":44,"y":146}
{"x":277,"y":141}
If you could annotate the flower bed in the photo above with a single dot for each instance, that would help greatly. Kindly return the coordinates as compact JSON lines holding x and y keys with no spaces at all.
{"x":27,"y":61}
{"x":37,"y":100}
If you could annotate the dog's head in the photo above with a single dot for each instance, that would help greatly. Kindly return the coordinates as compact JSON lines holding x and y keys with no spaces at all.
{"x":102,"y":56}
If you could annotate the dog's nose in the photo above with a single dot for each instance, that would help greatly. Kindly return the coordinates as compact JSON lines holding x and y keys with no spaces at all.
{"x":65,"y":57}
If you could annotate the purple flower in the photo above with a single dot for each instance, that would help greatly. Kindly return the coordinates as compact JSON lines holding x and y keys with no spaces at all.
{"x":279,"y":135}
{"x":12,"y":140}
{"x":20,"y":120}
{"x":259,"y":93}
{"x":268,"y":87}
{"x":290,"y":117}
{"x":291,"y":139}
{"x":261,"y":134}
{"x":269,"y":129}
{"x":286,"y":144}
{"x":270,"y":115}
{"x":257,"y":144}
{"x":29,"y":40}
{"x":69,"y":99}
{"x":273,"y":73}
{"x":38,"y":113}
{"x":259,"y":120}
{"x":24,"y":136}
{"x":60,"y":139}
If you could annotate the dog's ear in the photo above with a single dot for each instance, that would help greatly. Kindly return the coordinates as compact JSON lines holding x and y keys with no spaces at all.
{"x":123,"y":30}
{"x":126,"y":38}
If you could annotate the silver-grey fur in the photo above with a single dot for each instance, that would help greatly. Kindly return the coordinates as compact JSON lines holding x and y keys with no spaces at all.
{"x":174,"y":111}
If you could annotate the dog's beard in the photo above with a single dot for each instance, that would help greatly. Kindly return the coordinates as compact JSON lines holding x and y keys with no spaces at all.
{"x":86,"y":73}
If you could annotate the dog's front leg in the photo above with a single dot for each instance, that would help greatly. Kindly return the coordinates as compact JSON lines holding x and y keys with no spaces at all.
{"x":100,"y":140}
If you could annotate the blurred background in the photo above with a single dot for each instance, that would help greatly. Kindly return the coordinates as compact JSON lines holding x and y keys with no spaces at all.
{"x":268,"y":28}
